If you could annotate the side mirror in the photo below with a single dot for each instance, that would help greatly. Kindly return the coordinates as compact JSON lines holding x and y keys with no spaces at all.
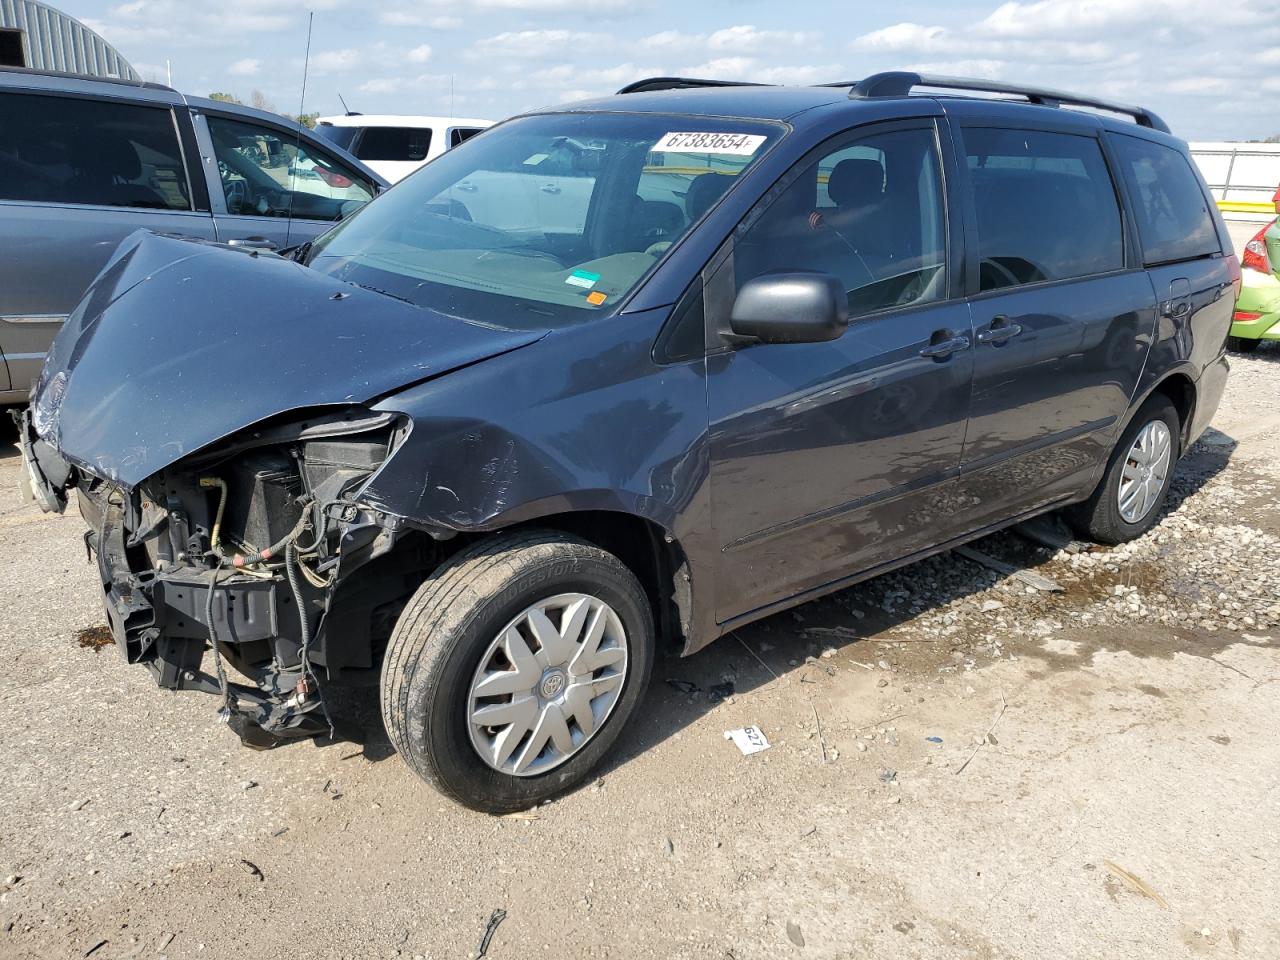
{"x":791,"y":308}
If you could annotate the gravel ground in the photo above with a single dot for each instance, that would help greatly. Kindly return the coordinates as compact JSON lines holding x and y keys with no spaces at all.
{"x":962,"y":766}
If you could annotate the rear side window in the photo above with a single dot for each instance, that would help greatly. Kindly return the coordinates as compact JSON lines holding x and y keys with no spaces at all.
{"x":461,"y":135}
{"x":65,"y":150}
{"x":1046,"y":207}
{"x":1174,"y":222}
{"x":408,"y":144}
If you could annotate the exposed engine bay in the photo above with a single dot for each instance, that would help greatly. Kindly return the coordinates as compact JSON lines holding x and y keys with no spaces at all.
{"x":242,"y":549}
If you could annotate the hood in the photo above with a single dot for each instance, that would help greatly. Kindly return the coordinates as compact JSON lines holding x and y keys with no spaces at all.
{"x":179,"y":343}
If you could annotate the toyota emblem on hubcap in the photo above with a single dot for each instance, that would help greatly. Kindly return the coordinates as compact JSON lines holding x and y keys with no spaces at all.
{"x":552,"y":684}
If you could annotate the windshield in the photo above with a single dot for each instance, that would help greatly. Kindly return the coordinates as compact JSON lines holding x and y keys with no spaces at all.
{"x":547,"y":218}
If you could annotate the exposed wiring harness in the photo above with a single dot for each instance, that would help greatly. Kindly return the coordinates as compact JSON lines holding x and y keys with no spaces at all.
{"x":223,"y":685}
{"x":291,"y":566}
{"x":215,"y":537}
{"x":241,"y":563}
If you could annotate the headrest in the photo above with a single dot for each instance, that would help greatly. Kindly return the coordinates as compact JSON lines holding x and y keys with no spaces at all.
{"x":856,"y":182}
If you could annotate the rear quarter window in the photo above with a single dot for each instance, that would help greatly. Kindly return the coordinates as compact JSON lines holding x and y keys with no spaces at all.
{"x":404,"y":144}
{"x":1174,"y":220}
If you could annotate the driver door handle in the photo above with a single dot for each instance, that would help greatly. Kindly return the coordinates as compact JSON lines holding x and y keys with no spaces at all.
{"x":945,"y":348}
{"x":1001,"y":329}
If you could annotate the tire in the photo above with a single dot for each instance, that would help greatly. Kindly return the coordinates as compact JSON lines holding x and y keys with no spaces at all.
{"x":1102,"y":518}
{"x":1241,"y":345}
{"x":457,"y":625}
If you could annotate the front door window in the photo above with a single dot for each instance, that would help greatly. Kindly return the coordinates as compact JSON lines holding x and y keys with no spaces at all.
{"x":869,"y":213}
{"x":267,"y":172}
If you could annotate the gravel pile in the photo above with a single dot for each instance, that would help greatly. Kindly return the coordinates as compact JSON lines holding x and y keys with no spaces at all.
{"x":1209,"y":563}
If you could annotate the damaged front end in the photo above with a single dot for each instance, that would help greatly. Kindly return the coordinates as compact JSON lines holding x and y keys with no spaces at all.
{"x":240,"y":551}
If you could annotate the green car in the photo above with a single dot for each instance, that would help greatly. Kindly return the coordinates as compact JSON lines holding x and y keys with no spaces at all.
{"x":1257,"y":315}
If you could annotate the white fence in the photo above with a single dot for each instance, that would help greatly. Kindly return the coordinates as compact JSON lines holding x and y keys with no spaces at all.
{"x":1242,"y":177}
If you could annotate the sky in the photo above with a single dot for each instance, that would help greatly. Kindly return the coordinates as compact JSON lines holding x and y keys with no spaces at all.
{"x":1211,"y":70}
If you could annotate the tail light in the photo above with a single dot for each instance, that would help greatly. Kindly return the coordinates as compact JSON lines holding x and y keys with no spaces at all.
{"x":1244,"y":316}
{"x":335,"y":179}
{"x":1255,"y":252}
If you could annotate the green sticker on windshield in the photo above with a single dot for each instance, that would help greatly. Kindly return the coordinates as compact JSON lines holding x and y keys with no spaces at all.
{"x":583,"y":278}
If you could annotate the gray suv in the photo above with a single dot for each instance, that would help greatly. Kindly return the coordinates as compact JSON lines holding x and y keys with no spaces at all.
{"x":85,"y":162}
{"x":641,"y":368}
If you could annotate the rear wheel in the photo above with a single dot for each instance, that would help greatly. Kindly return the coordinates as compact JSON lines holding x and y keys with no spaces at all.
{"x":1241,"y":345}
{"x":514,"y":668}
{"x":1128,"y":500}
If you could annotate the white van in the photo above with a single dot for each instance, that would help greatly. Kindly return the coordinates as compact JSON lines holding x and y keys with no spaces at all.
{"x":396,"y":146}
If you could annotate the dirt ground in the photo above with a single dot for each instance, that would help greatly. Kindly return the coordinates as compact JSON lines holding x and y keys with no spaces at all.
{"x":961,"y":766}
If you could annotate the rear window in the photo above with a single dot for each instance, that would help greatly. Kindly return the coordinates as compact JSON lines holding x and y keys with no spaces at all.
{"x":407,"y":144}
{"x":1046,"y":206}
{"x":1174,"y":221}
{"x":67,"y":150}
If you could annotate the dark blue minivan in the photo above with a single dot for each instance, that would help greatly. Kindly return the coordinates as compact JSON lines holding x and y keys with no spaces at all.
{"x":649,"y":366}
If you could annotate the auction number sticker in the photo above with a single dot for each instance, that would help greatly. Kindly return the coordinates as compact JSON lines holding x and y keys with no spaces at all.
{"x":737,"y":144}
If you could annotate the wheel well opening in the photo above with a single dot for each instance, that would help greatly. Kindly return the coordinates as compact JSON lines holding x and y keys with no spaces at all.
{"x":368,"y":603}
{"x":645,"y":548}
{"x":1182,"y":394}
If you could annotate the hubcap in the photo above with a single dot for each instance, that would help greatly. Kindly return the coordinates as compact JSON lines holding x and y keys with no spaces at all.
{"x":1145,"y":469}
{"x":546,"y":684}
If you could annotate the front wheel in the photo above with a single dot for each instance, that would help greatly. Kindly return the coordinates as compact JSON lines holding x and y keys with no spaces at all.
{"x":515,"y":667}
{"x":1128,"y":499}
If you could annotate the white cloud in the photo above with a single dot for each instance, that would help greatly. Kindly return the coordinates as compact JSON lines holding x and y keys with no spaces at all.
{"x":1184,"y":61}
{"x":536,"y":43}
{"x":915,"y":38}
{"x":577,"y":6}
{"x":1088,"y":17}
{"x":801,"y":75}
{"x":416,"y":18}
{"x":420,"y":54}
{"x":247,"y":67}
{"x":723,"y":68}
{"x":985,"y":69}
{"x":604,"y":80}
{"x":904,"y":36}
{"x":382,"y":85}
{"x":734,"y":41}
{"x":332,"y":61}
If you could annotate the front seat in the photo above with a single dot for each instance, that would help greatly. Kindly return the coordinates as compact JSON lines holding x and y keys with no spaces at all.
{"x":866,"y":212}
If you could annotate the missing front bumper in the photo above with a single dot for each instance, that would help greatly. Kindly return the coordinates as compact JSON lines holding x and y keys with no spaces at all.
{"x":160,"y":618}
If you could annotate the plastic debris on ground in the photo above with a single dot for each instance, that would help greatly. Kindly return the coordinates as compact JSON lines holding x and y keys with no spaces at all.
{"x":748,"y":739}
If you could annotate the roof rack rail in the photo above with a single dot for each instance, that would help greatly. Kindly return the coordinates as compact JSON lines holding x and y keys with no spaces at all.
{"x":899,"y":83}
{"x":64,"y":75}
{"x":650,"y":84}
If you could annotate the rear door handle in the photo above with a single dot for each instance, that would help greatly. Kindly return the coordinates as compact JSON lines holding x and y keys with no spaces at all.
{"x":1001,"y":329}
{"x":1176,"y":309}
{"x":945,"y":348}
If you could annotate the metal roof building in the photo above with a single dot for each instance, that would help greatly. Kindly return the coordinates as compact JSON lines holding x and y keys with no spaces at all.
{"x":35,"y":35}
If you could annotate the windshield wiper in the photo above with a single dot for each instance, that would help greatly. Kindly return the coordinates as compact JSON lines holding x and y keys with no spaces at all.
{"x":385,"y":293}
